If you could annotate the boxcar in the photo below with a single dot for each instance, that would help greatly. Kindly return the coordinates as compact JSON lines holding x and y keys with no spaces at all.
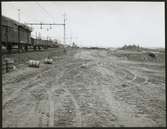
{"x":14,"y":33}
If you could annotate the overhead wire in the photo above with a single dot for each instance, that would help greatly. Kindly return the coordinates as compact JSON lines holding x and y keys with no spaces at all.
{"x":42,"y":8}
{"x":45,"y":11}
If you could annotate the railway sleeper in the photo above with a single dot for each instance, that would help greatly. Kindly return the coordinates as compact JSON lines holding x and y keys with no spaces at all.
{"x":39,"y":48}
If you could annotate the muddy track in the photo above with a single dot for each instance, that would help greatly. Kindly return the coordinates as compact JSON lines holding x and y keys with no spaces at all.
{"x":85,"y":88}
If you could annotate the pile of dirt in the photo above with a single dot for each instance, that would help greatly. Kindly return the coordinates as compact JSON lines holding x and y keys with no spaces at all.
{"x":143,"y":56}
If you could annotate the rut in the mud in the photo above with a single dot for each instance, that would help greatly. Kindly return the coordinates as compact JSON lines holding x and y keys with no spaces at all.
{"x":85,"y":88}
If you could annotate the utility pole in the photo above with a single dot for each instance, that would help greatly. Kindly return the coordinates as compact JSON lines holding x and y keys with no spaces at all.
{"x":64,"y":28}
{"x":64,"y":32}
{"x":19,"y":46}
{"x":71,"y":38}
{"x":19,"y":15}
{"x":36,"y":35}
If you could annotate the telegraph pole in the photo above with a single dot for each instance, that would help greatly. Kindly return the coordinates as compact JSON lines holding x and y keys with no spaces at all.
{"x":70,"y":38}
{"x":64,"y":32}
{"x":19,"y":15}
{"x":64,"y":28}
{"x":19,"y":46}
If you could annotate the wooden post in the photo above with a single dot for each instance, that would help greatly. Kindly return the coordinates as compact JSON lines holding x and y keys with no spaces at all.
{"x":6,"y":36}
{"x":6,"y":63}
{"x":18,"y":38}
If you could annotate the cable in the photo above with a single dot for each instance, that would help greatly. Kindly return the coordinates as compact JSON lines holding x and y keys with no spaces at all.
{"x":45,"y":11}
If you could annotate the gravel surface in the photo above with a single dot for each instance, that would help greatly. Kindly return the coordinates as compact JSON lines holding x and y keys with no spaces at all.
{"x":84,"y":88}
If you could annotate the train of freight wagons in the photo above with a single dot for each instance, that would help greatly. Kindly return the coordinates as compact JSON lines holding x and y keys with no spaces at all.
{"x":17,"y":34}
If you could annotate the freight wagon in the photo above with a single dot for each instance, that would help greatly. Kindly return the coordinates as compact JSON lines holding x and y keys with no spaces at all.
{"x":17,"y":34}
{"x":39,"y":43}
{"x":14,"y":33}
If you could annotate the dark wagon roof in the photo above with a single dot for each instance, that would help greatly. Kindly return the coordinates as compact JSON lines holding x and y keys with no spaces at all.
{"x":6,"y":21}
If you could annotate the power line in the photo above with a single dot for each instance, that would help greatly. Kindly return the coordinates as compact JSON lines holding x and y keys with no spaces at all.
{"x":45,"y":11}
{"x":13,"y":6}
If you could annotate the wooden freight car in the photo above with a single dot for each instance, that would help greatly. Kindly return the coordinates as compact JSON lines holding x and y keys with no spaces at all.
{"x":39,"y":43}
{"x":14,"y":33}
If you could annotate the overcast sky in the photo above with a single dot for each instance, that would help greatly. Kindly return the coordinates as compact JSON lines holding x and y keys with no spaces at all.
{"x":102,"y":24}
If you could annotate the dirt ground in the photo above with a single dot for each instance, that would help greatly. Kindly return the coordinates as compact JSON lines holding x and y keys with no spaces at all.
{"x":85,"y":88}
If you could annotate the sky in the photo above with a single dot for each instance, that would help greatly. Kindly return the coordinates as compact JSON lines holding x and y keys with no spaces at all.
{"x":98,"y":24}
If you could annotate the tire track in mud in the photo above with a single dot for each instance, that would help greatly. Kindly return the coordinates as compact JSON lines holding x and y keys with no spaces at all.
{"x":25,"y":86}
{"x":97,"y":116}
{"x":51,"y":109}
{"x":78,"y":121}
{"x":123,"y":72}
{"x":43,"y":118}
{"x":33,"y":114}
{"x":35,"y":79}
{"x":130,"y":80}
{"x":28,"y":86}
{"x":19,"y":92}
{"x":140,"y":78}
{"x":68,"y":89}
{"x":60,"y":89}
{"x":78,"y":113}
{"x":50,"y":95}
{"x":127,"y":112}
{"x":139,"y":83}
{"x":141,"y":97}
{"x":50,"y":92}
{"x":145,"y":73}
{"x":27,"y":72}
{"x":135,"y":79}
{"x":124,"y":112}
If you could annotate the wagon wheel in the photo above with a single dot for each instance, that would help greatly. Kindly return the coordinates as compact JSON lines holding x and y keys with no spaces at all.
{"x":34,"y":47}
{"x":9,"y":48}
{"x":26,"y":48}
